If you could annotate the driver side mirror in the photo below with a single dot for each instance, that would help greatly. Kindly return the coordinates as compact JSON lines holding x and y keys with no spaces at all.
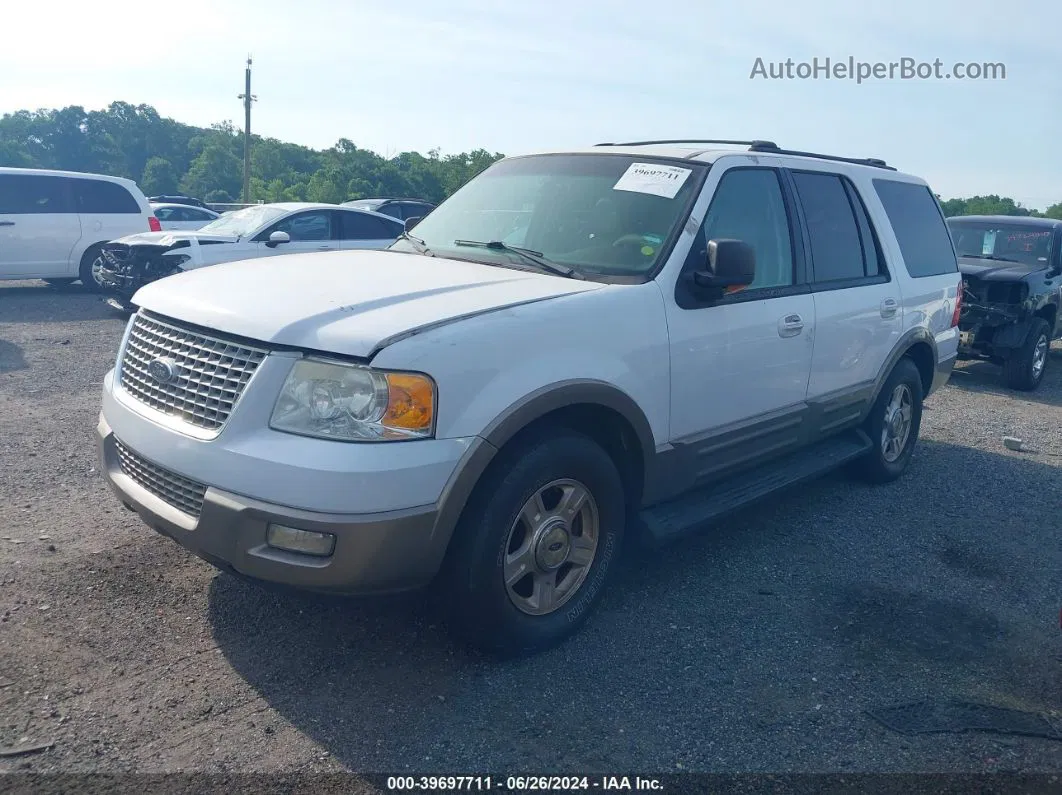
{"x":730,"y":263}
{"x":277,"y":238}
{"x":411,"y":222}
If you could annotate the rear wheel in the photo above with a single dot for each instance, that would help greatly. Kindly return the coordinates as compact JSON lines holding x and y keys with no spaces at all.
{"x":536,"y":544}
{"x":1024,"y":369}
{"x":86,"y":272}
{"x":893,"y":425}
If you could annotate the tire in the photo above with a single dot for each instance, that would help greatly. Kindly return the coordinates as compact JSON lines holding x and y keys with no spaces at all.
{"x":497,"y":525}
{"x":88,"y":283}
{"x":892,"y":448}
{"x":1024,"y":369}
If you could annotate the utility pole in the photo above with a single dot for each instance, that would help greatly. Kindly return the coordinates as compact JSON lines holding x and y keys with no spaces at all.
{"x":247,"y":98}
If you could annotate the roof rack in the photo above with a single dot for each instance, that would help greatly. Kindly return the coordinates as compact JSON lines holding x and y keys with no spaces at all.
{"x":768,"y":146}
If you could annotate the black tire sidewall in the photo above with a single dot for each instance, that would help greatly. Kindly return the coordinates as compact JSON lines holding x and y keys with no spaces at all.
{"x":92,"y":253}
{"x":486,"y":608}
{"x":1019,"y":370}
{"x":905,"y":372}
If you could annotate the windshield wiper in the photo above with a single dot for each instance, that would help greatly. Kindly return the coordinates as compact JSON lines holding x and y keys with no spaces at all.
{"x":418,"y":244}
{"x":989,"y":256}
{"x":536,"y":258}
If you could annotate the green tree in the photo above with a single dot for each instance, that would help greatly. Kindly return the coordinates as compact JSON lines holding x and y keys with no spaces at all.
{"x":325,"y":186}
{"x":159,"y":177}
{"x":215,"y":168}
{"x":217,"y":197}
{"x":1054,"y":211}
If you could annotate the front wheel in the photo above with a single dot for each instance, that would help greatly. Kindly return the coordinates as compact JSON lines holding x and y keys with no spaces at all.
{"x":536,"y":544}
{"x":893,"y":425}
{"x":1024,"y":369}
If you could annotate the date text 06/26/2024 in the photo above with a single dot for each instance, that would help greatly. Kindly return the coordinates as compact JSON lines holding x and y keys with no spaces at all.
{"x":409,"y":784}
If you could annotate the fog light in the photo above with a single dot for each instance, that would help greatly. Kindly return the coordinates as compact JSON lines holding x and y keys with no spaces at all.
{"x":307,"y":542}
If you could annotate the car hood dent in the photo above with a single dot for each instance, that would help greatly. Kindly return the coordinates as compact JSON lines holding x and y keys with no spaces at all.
{"x":346,"y":302}
{"x":995,"y":270}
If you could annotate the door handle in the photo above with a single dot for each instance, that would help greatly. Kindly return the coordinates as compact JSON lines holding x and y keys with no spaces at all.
{"x":790,"y":326}
{"x":889,"y":307}
{"x":7,"y":223}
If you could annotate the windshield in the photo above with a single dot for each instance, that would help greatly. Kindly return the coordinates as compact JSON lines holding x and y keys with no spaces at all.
{"x":596,"y":213}
{"x":1029,"y":245}
{"x":243,"y":222}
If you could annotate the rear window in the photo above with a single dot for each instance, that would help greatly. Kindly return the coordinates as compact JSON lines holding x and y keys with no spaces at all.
{"x":919,"y":227}
{"x":100,"y":196}
{"x":27,"y":194}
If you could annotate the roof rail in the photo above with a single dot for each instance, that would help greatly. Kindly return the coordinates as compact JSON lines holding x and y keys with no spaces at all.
{"x":859,"y":161}
{"x":766,"y":146}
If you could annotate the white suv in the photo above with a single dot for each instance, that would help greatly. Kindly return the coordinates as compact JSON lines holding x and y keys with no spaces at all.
{"x":634,"y":337}
{"x":53,"y":224}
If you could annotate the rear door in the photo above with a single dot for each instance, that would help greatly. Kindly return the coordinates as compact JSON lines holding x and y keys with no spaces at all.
{"x":857,"y":301}
{"x":367,"y":230}
{"x":39,"y":227}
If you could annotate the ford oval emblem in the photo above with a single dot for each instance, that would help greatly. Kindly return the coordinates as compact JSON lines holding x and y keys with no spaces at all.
{"x":163,"y":370}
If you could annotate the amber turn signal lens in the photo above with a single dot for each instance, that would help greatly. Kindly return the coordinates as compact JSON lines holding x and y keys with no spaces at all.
{"x":410,"y":402}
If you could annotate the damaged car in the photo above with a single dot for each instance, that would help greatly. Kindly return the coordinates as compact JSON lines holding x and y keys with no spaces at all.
{"x":1012,"y":287}
{"x":263,"y":230}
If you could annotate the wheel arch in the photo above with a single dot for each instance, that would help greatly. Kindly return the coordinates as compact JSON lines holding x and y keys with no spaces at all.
{"x":920,"y":347}
{"x":596,"y":408}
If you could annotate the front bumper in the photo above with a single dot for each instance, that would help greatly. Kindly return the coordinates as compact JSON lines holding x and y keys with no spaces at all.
{"x":375,"y":553}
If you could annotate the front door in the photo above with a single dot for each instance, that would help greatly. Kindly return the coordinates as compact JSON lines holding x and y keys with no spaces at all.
{"x":740,"y":364}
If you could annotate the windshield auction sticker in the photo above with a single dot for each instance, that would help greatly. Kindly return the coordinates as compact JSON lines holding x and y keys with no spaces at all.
{"x":654,"y":179}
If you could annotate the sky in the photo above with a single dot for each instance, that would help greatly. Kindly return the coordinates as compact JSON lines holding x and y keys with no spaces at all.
{"x":457,"y":75}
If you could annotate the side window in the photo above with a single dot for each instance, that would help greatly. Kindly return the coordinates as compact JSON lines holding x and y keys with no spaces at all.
{"x":836,"y":246}
{"x":26,"y":194}
{"x":166,"y":214}
{"x":362,"y":226}
{"x":748,"y":206}
{"x":192,"y":214}
{"x":873,"y":258}
{"x":393,"y":210}
{"x":919,"y":226}
{"x":94,"y":196}
{"x":309,"y":226}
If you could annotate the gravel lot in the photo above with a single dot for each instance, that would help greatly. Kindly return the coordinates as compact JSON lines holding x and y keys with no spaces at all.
{"x":756,"y":647}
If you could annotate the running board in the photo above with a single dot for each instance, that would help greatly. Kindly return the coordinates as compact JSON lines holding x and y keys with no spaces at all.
{"x":677,"y":517}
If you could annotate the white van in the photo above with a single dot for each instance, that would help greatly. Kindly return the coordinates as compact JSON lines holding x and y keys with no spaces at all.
{"x":54,"y":223}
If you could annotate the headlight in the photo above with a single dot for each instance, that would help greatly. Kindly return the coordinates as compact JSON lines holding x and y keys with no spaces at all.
{"x":354,"y":403}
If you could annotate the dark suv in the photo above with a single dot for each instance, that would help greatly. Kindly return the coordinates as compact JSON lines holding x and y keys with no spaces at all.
{"x":178,"y":200}
{"x":396,"y":208}
{"x":1012,"y":275}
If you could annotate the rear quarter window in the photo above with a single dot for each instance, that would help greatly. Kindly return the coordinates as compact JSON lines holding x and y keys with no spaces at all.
{"x":919,"y":226}
{"x":99,"y":196}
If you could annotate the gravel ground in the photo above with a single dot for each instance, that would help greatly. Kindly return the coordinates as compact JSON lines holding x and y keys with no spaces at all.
{"x":755,"y":647}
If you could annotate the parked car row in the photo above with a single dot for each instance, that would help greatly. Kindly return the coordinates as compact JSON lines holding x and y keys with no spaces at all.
{"x":57,"y":226}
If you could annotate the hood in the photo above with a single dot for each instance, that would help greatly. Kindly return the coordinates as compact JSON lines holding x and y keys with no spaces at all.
{"x":169,"y":238}
{"x":994,"y":270}
{"x":344,"y":302}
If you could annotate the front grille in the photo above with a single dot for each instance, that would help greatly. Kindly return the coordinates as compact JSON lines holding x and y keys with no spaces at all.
{"x":183,"y":494}
{"x":210,"y":372}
